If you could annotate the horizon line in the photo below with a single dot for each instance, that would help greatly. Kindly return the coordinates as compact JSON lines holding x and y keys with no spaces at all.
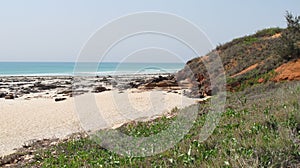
{"x":83,"y":62}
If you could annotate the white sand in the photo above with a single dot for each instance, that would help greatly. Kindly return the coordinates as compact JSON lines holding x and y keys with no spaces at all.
{"x":24,"y":120}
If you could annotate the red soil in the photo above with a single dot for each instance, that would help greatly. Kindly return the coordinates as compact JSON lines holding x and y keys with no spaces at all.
{"x":246,"y":70}
{"x":288,"y":71}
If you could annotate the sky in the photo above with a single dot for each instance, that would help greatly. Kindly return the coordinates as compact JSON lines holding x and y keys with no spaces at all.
{"x":57,"y":30}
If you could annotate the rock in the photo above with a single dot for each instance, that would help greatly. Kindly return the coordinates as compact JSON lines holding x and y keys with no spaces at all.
{"x":159,"y":79}
{"x":99,"y":89}
{"x":134,"y":85}
{"x":150,"y":85}
{"x":2,"y":94}
{"x":167,"y":83}
{"x":171,"y":77}
{"x":104,"y":79}
{"x":68,"y":82}
{"x":25,"y":91}
{"x":9,"y":96}
{"x":60,"y":99}
{"x":69,"y":91}
{"x":41,"y":86}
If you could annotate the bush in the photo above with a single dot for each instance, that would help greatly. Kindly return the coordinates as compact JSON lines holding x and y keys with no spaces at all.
{"x":290,"y":38}
{"x":250,"y":40}
{"x":268,"y":32}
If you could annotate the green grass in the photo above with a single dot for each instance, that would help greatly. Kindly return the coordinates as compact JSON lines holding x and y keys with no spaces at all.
{"x":259,"y":128}
{"x":250,"y":40}
{"x":251,"y":79}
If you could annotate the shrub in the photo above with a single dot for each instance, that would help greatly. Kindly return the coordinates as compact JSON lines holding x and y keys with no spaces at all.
{"x":268,"y":32}
{"x":290,"y":38}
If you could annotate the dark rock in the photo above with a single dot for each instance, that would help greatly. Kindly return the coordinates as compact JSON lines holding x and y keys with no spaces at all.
{"x":2,"y":94}
{"x":167,"y":83}
{"x":171,"y":77}
{"x":159,"y":79}
{"x":150,"y":85}
{"x":41,"y":86}
{"x":134,"y":85}
{"x":25,"y":91}
{"x":99,"y":89}
{"x":60,"y":99}
{"x":77,"y":92}
{"x":68,"y":83}
{"x":9,"y":96}
{"x":65,"y":92}
{"x":104,"y":79}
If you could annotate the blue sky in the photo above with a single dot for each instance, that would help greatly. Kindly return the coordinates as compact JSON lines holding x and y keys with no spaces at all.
{"x":56,"y":30}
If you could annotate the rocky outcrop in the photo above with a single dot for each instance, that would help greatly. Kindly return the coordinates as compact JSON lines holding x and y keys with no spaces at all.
{"x":161,"y":82}
{"x":41,"y":86}
{"x":9,"y":96}
{"x":99,"y":89}
{"x":60,"y":99}
{"x":3,"y":94}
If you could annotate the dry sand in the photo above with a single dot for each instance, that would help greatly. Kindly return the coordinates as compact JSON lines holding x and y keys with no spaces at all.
{"x":24,"y":120}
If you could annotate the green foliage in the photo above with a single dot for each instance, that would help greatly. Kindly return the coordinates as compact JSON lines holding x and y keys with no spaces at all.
{"x":251,"y":79}
{"x":293,"y":22}
{"x":145,"y":129}
{"x":250,"y":40}
{"x":290,"y":48}
{"x":268,"y":32}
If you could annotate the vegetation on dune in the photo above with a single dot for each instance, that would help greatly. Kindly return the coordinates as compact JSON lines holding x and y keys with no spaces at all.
{"x":268,"y":48}
{"x":268,"y":32}
{"x":291,"y":38}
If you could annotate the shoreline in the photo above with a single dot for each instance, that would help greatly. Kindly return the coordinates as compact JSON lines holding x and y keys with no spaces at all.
{"x":44,"y":107}
{"x":85,"y":74}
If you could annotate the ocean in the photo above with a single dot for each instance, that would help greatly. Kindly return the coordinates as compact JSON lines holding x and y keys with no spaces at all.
{"x":67,"y":68}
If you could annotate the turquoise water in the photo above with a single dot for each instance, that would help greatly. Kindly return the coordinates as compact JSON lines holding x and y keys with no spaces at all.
{"x":67,"y":68}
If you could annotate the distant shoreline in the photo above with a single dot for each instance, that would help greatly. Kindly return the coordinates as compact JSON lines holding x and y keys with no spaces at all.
{"x":91,"y":75}
{"x":89,"y":69}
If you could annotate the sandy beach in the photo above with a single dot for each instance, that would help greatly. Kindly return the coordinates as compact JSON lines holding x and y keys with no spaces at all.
{"x":34,"y":108}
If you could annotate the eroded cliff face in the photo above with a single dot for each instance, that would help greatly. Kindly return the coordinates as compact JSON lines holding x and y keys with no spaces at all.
{"x":259,"y":58}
